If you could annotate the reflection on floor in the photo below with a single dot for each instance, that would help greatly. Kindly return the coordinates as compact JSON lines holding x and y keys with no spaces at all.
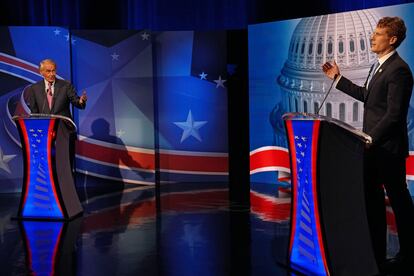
{"x":196,"y":232}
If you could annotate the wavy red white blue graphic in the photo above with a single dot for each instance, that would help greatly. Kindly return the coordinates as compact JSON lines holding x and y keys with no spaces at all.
{"x":117,"y":128}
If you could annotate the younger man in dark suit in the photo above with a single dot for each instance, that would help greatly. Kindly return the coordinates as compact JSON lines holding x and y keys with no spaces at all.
{"x":386,"y":96}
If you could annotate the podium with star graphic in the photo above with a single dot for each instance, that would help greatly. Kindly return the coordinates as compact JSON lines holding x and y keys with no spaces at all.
{"x":329,"y":232}
{"x":48,"y":191}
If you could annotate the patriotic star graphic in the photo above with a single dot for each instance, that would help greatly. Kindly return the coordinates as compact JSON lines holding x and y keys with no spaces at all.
{"x":4,"y":160}
{"x":190,"y":127}
{"x":145,"y":36}
{"x":115,"y":56}
{"x":203,"y":76}
{"x":220,"y":82}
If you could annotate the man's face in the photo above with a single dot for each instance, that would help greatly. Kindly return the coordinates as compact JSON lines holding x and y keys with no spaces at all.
{"x":48,"y":71}
{"x":381,"y":42}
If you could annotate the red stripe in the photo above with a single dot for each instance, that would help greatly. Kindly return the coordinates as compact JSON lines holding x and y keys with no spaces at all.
{"x":280,"y":158}
{"x":146,"y":160}
{"x":291,"y":140}
{"x":269,"y":158}
{"x":410,"y":165}
{"x":194,"y":163}
{"x":115,"y":156}
{"x":26,"y":146}
{"x":18,"y":64}
{"x":392,"y":225}
{"x":50,"y":139}
{"x":269,"y":210}
{"x":137,"y":213}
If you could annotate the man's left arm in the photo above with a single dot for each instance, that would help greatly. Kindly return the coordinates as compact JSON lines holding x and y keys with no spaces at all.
{"x":74,"y":98}
{"x":400,"y":85}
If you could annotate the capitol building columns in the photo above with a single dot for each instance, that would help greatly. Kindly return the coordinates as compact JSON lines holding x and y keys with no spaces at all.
{"x":343,"y":37}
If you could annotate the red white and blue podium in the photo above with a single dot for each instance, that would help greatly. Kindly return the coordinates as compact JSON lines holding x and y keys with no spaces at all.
{"x":48,"y":191}
{"x":329,"y":230}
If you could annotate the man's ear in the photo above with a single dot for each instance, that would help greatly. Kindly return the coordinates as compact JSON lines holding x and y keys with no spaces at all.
{"x":393,"y":40}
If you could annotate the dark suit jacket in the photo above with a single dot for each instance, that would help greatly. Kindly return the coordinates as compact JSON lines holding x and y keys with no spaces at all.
{"x":386,"y":103}
{"x":64,"y":94}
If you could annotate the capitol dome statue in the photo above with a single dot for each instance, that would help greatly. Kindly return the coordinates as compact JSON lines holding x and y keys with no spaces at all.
{"x":343,"y":37}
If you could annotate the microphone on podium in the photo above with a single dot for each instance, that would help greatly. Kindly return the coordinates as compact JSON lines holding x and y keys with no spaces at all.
{"x":327,"y":93}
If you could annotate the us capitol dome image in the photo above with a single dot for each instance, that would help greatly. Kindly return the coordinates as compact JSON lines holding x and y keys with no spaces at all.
{"x":343,"y":37}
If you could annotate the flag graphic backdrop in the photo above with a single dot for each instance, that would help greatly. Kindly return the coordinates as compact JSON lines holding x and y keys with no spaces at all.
{"x":269,"y":56}
{"x":186,"y":101}
{"x":20,"y":54}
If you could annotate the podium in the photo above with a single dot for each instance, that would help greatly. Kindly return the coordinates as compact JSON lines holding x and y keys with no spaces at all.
{"x":329,"y":232}
{"x":48,"y":191}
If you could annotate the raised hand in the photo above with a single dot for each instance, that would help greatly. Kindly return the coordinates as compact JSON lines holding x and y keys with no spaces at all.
{"x":331,"y":70}
{"x":83,"y":98}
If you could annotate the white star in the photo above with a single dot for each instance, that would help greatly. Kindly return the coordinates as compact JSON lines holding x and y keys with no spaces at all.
{"x":220,"y":82}
{"x":120,"y":133}
{"x":67,"y":37}
{"x":190,"y":127}
{"x":203,"y":76}
{"x":57,"y":32}
{"x":115,"y":56}
{"x":145,"y":36}
{"x":4,"y":159}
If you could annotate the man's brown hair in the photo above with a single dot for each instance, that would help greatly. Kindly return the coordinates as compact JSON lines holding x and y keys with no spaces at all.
{"x":395,"y":27}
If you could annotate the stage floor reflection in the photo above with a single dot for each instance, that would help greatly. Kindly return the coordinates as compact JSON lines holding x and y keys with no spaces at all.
{"x":193,"y":229}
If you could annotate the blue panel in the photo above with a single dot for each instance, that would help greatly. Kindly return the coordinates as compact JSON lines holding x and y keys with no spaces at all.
{"x":41,"y":202}
{"x":42,"y":239}
{"x":305,"y":255}
{"x":33,"y":44}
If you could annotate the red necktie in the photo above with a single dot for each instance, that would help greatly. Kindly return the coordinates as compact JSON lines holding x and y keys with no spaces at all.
{"x":49,"y":94}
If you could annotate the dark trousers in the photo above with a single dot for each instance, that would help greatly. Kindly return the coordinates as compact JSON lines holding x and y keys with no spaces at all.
{"x":385,"y":170}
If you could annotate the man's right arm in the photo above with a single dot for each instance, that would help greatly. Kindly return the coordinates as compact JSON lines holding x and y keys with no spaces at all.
{"x":31,"y":100}
{"x":350,"y":88}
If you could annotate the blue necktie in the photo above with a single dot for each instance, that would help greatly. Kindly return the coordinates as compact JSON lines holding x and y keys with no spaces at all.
{"x":372,"y":72}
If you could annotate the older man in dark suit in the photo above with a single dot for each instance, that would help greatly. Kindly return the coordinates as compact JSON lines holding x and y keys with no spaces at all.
{"x":386,"y":95}
{"x":52,"y":95}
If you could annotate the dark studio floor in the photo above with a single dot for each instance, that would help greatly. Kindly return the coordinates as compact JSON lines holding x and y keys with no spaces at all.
{"x":197,"y":232}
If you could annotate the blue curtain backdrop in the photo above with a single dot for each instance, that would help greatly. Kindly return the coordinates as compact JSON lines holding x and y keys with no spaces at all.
{"x":168,"y":14}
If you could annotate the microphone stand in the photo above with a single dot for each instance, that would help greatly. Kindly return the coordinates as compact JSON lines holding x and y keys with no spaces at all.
{"x":327,"y":93}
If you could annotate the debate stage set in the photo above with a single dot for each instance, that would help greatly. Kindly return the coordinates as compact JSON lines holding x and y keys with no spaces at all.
{"x":212,"y":150}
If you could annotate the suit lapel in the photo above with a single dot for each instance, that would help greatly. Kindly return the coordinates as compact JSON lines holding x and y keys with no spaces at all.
{"x":55,"y":94}
{"x":45,"y":105}
{"x":379,"y":72}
